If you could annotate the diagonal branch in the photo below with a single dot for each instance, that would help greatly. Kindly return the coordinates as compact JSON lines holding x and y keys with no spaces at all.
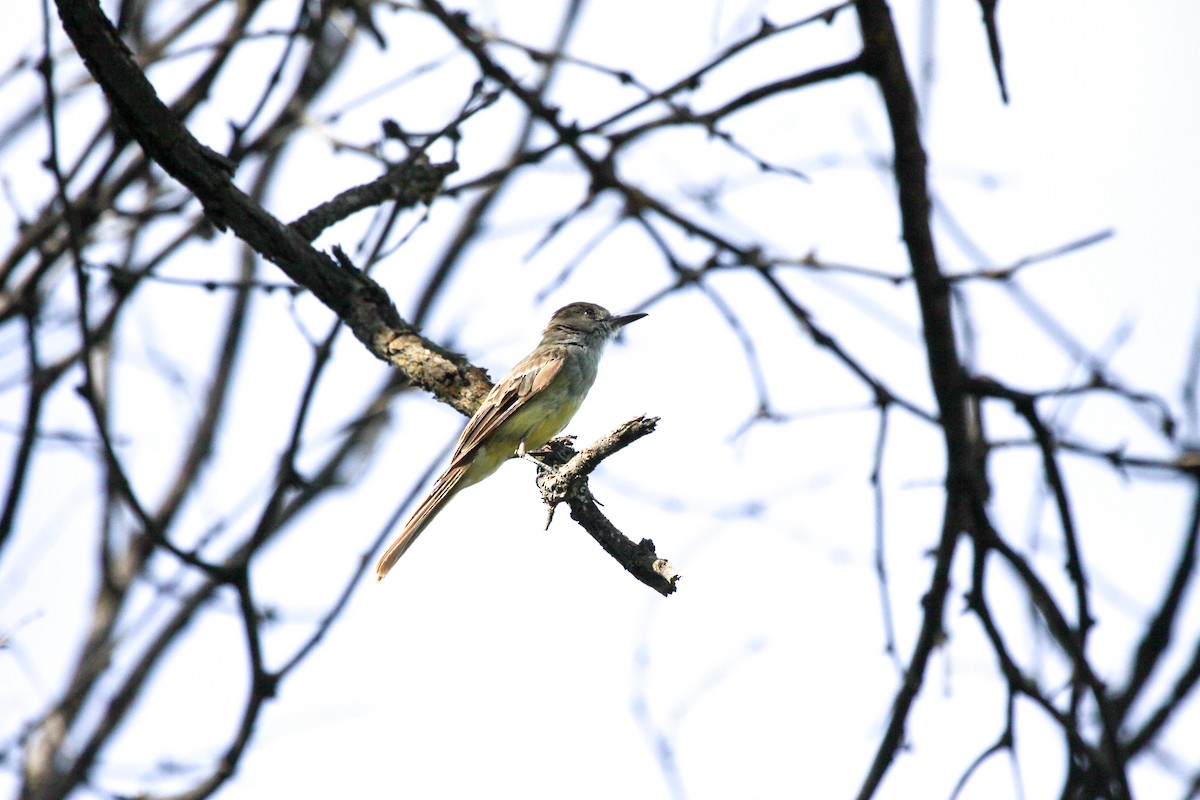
{"x":360,"y":302}
{"x":567,"y":483}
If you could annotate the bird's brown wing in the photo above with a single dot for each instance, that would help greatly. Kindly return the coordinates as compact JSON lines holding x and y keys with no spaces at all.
{"x":528,"y":378}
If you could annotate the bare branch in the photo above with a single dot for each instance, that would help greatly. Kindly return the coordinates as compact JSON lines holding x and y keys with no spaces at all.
{"x":567,"y":482}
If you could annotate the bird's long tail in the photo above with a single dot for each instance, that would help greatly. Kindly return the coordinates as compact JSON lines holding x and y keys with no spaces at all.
{"x":444,"y":489}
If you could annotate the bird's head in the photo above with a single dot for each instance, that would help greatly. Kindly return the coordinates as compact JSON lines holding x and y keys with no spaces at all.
{"x":589,"y":319}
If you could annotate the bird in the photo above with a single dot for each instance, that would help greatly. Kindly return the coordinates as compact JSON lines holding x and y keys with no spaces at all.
{"x":524,"y":411}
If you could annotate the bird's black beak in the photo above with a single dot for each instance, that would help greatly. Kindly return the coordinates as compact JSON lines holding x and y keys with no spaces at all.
{"x":625,"y":319}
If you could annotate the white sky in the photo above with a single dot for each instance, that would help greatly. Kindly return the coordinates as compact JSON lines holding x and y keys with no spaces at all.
{"x":501,"y":660}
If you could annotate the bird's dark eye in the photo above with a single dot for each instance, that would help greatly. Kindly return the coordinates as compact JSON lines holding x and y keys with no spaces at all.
{"x":589,"y":312}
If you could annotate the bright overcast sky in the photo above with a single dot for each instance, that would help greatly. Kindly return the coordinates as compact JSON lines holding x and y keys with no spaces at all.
{"x":473,"y":673}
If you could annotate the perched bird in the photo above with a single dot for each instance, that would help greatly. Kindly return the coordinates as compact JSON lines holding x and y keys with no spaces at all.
{"x":534,"y":401}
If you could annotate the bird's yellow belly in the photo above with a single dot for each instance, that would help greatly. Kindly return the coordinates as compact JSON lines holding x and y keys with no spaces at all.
{"x":540,"y":422}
